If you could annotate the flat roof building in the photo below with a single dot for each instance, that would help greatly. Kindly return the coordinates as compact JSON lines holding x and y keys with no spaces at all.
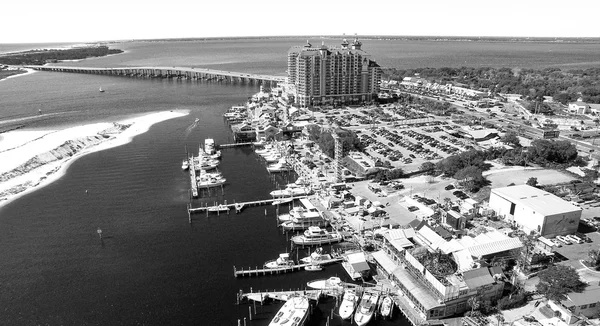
{"x":535,"y":210}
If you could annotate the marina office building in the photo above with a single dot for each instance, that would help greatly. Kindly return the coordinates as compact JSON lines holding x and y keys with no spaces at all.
{"x":332,"y":75}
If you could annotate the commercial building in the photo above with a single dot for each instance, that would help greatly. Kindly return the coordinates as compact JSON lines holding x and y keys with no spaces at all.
{"x":578,"y":306}
{"x":332,"y":75}
{"x":535,"y":210}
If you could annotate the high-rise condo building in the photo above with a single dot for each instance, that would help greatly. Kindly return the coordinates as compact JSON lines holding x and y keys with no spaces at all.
{"x":332,"y":75}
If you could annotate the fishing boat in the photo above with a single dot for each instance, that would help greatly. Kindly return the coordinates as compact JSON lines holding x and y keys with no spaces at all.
{"x":332,"y":283}
{"x":209,"y":149}
{"x":316,"y":236}
{"x":317,"y":256}
{"x":185,"y":165}
{"x":349,"y":302}
{"x":218,"y":208}
{"x":207,"y":180}
{"x":293,"y":313}
{"x":387,"y":304}
{"x":283,"y":261}
{"x":281,"y":166}
{"x":366,"y":308}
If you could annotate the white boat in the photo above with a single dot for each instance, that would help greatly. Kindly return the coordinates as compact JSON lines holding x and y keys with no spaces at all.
{"x":218,"y":208}
{"x":366,"y":308}
{"x":349,"y":302}
{"x":273,"y":158}
{"x":316,"y":256}
{"x":101,"y":90}
{"x":313,"y":268}
{"x":303,"y":225}
{"x":280,"y":193}
{"x":316,"y":236}
{"x":281,"y":166}
{"x":387,"y":304}
{"x":207,"y":180}
{"x":209,"y":146}
{"x":283,"y":261}
{"x":197,"y":120}
{"x":332,"y":283}
{"x":282,"y":201}
{"x":299,"y":191}
{"x":185,"y":165}
{"x":293,"y":313}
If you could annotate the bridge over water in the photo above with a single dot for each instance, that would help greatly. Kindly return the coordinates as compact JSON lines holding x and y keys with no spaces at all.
{"x":185,"y":73}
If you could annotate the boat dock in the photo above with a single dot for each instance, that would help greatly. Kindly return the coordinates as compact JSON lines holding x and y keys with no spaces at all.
{"x":283,"y":295}
{"x":193,"y":184}
{"x":286,"y":269}
{"x":236,"y":145}
{"x":238,"y":206}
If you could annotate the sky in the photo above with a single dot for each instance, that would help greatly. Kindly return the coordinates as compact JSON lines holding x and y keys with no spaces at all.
{"x":102,"y":20}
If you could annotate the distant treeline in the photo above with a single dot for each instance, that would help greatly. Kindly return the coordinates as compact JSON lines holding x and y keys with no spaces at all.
{"x":40,"y":57}
{"x":563,"y":85}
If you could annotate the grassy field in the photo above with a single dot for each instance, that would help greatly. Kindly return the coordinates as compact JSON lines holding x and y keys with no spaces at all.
{"x":8,"y":73}
{"x":520,"y":176}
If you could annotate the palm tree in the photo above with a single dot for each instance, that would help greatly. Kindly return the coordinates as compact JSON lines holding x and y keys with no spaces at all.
{"x":474,"y":302}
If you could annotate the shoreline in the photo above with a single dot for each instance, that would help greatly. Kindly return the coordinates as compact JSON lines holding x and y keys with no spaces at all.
{"x":28,"y":71}
{"x":26,"y":146}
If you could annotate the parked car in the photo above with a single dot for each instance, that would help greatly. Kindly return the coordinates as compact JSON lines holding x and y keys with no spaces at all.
{"x":563,"y":239}
{"x":449,"y":187}
{"x":583,"y":237}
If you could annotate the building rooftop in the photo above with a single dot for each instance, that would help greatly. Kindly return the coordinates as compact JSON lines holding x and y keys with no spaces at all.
{"x":478,"y":277}
{"x":591,"y":294}
{"x":539,"y":200}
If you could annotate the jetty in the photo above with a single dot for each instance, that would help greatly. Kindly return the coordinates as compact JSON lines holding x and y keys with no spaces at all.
{"x":177,"y":73}
{"x":279,"y":270}
{"x":239,"y":206}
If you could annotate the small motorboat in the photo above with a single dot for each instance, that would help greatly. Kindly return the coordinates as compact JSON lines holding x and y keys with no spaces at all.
{"x":185,"y":165}
{"x":218,"y":208}
{"x":101,"y":90}
{"x":282,"y":201}
{"x":386,"y":306}
{"x":313,"y":268}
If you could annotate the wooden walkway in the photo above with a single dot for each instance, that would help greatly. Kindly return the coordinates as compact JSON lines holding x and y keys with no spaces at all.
{"x":239,"y":206}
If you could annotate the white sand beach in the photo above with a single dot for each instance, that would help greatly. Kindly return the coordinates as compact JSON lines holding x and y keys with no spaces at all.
{"x":31,"y":159}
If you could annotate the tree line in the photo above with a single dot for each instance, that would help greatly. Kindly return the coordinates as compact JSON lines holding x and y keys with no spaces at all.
{"x":563,"y":85}
{"x":40,"y":57}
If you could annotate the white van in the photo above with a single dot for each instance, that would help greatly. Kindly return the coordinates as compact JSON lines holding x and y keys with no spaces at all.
{"x":563,"y":239}
{"x":574,"y":238}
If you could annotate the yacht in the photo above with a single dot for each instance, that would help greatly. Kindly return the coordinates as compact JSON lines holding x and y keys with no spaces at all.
{"x":185,"y":165}
{"x":273,"y":158}
{"x":303,"y":224}
{"x":316,"y":256}
{"x":283,"y":261}
{"x":366,"y":308}
{"x":209,"y":149}
{"x":386,"y":306}
{"x":293,"y":313}
{"x":207,"y":180}
{"x":281,"y":166}
{"x":316,"y":236}
{"x":349,"y":302}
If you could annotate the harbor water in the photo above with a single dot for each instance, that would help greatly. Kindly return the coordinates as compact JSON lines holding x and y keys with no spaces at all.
{"x":151,"y":266}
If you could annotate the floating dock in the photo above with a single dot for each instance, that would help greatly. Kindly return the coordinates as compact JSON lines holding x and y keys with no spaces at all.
{"x":193,"y":184}
{"x":236,"y":145}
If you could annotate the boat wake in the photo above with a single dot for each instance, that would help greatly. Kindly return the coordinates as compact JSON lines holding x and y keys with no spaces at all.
{"x":189,"y":129}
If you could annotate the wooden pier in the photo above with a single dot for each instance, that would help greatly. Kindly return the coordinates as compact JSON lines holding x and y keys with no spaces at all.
{"x":239,"y":206}
{"x":287,"y":269}
{"x":236,"y":145}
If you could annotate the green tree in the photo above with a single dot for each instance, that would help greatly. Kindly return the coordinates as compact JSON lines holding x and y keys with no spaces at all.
{"x":470,"y":177}
{"x":557,"y":281}
{"x":428,"y":167}
{"x":532,"y":182}
{"x":512,"y":139}
{"x":594,"y":260}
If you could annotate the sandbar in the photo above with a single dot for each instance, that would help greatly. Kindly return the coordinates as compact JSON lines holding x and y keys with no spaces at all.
{"x":32,"y":159}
